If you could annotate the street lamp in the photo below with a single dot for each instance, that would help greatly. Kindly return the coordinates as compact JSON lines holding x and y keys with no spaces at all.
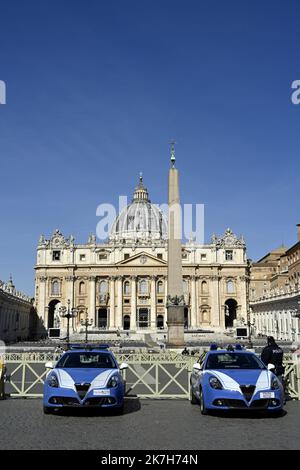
{"x":86,"y":323}
{"x":66,"y":312}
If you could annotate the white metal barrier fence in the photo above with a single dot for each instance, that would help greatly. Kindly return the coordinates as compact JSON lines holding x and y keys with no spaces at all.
{"x":148,"y":375}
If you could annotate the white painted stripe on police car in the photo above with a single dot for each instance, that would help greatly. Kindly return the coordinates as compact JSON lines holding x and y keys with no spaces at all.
{"x":102,"y":378}
{"x":263,"y":381}
{"x":227,"y":382}
{"x":65,"y":380}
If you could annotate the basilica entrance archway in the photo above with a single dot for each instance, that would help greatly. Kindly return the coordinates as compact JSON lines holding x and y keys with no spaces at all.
{"x":186,"y":318}
{"x":126,"y":322}
{"x":102,"y":318}
{"x":143,"y":318}
{"x":230,"y":312}
{"x":160,"y":321}
{"x":51,"y":312}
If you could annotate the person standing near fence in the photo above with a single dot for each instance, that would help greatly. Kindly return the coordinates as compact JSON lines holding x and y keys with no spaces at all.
{"x":2,"y":378}
{"x":273,"y":354}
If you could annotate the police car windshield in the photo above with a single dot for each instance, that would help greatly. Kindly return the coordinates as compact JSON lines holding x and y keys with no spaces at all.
{"x":228,"y":360}
{"x":90,"y":360}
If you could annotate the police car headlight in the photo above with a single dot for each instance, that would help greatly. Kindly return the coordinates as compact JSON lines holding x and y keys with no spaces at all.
{"x":52,"y":381}
{"x":275,"y":384}
{"x":113,"y":381}
{"x":215,"y":383}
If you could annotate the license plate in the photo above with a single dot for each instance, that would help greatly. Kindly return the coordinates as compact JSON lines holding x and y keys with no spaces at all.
{"x":267,"y":395}
{"x":98,"y":393}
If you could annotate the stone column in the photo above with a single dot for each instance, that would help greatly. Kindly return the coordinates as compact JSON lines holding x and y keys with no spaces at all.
{"x":193,"y":303}
{"x":243,"y":297}
{"x":218,"y":313}
{"x":119,"y":323}
{"x":42,"y":311}
{"x":133,"y":304}
{"x":92,"y":300}
{"x":112,"y":317}
{"x":166,"y":301}
{"x":153,"y":304}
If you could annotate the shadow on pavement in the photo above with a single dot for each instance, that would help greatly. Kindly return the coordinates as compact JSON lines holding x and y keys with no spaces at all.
{"x":245,"y":414}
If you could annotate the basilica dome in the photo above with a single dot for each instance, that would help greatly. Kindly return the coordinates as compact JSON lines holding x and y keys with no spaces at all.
{"x":140,"y":220}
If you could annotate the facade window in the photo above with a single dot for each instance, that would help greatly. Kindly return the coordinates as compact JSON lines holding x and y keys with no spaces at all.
{"x":228,"y":255}
{"x":205,"y":316}
{"x":204,"y":287}
{"x":203,"y":257}
{"x":126,"y":288}
{"x":160,"y":287}
{"x":230,"y":287}
{"x":184,"y":255}
{"x":143,"y":287}
{"x":159,"y":256}
{"x":102,"y":256}
{"x":82,"y":257}
{"x":55,"y":288}
{"x":82,"y":288}
{"x":103,"y":287}
{"x":126,"y":256}
{"x":56,"y":255}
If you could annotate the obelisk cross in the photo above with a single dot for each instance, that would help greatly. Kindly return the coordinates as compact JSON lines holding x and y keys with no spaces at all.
{"x":173,"y":159}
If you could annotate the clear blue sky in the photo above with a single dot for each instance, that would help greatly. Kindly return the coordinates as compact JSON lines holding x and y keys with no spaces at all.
{"x":96,"y":89}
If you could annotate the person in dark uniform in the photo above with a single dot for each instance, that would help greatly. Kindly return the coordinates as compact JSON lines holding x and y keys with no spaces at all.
{"x":273,"y":354}
{"x":185,"y":352}
{"x":2,"y":379}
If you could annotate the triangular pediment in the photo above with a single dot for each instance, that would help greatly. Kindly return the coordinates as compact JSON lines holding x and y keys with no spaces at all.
{"x":143,"y":259}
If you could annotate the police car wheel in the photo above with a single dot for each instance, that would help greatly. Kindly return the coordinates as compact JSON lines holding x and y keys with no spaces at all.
{"x":202,"y":405}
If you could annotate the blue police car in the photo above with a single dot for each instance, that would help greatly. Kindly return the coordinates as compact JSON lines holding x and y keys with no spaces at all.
{"x":234,"y":378}
{"x":84,"y":377}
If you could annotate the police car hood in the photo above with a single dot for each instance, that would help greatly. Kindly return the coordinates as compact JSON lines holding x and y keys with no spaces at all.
{"x":96,"y":377}
{"x":232,"y":378}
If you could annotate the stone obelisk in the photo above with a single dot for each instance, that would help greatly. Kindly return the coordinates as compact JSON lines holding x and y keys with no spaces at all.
{"x":175,"y":298}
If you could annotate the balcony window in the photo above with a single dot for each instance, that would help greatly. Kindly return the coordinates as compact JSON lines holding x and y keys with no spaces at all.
{"x":143,"y":287}
{"x":56,"y":255}
{"x":55,"y":288}
{"x":126,"y":288}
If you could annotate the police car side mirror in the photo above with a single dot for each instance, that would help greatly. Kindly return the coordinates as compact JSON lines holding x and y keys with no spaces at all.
{"x":49,"y":365}
{"x":271,"y":367}
{"x":123,"y":366}
{"x":197,"y":367}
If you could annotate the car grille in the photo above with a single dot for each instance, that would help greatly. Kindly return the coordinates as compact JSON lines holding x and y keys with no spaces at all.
{"x":82,"y":389}
{"x":66,"y":401}
{"x":262,"y":404}
{"x":99,"y":401}
{"x":231,"y":403}
{"x":247,"y":391}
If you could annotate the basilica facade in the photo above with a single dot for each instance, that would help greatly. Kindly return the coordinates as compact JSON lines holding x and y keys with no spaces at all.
{"x":122,"y":284}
